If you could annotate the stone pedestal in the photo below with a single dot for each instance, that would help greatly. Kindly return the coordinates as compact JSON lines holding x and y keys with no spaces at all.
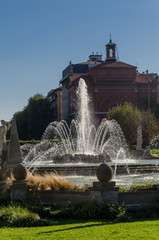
{"x":18,"y":190}
{"x":102,"y":192}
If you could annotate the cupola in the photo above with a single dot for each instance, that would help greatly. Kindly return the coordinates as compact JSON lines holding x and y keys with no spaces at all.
{"x":111,"y":51}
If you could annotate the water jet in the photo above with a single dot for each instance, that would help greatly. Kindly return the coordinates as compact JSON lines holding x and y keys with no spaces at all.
{"x":78,"y":149}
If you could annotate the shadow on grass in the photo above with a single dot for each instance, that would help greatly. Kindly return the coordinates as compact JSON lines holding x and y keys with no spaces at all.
{"x":77,"y":227}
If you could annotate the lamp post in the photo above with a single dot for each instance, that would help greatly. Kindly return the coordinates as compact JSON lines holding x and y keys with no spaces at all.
{"x":148,"y":88}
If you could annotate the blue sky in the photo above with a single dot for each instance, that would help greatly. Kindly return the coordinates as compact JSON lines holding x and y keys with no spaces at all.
{"x":38,"y":38}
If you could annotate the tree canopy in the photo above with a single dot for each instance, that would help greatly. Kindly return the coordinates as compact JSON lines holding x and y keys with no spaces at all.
{"x":129,"y":118}
{"x":34,"y":118}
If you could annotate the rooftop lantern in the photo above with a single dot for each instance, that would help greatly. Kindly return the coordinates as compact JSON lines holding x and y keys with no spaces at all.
{"x":111,"y":51}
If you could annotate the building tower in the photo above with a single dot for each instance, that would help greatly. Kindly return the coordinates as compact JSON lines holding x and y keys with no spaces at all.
{"x":111,"y":51}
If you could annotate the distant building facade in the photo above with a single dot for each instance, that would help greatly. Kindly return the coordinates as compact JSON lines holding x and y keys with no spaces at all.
{"x":55,"y":99}
{"x":109,"y":82}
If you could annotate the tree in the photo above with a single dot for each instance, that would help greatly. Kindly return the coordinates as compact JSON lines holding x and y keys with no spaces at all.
{"x":129,"y":118}
{"x":34,"y":118}
{"x":154,"y":126}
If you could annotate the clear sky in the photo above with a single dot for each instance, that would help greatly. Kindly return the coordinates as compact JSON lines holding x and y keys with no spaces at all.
{"x":38,"y":38}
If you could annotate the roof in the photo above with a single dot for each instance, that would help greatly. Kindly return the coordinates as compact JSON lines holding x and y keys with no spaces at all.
{"x":54,"y":90}
{"x":88,"y":79}
{"x":89,"y":62}
{"x":143,"y":78}
{"x":111,"y":43}
{"x":114,"y":65}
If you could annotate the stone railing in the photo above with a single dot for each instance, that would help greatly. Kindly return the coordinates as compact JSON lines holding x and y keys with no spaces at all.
{"x":102,"y":191}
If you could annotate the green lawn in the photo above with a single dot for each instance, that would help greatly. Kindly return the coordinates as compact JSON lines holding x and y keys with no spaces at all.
{"x":93,"y":230}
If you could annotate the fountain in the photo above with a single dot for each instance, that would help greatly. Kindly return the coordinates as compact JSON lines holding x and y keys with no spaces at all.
{"x":78,"y":150}
{"x":81,"y":142}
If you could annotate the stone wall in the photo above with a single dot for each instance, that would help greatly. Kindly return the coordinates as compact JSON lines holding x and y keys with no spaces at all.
{"x":132,"y":200}
{"x":139,"y":199}
{"x":59,"y":197}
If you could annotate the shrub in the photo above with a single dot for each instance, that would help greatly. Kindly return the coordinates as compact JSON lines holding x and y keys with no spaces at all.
{"x":129,"y":118}
{"x":91,"y":211}
{"x":112,"y":211}
{"x":141,"y":187}
{"x":18,"y":216}
{"x":42,"y":210}
{"x":4,"y":196}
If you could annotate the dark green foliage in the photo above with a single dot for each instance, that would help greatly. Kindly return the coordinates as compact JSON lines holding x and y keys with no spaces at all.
{"x":82,"y":211}
{"x":31,"y":215}
{"x":42,"y":210}
{"x":109,"y":211}
{"x":85,"y":211}
{"x":18,"y":217}
{"x":4,"y":196}
{"x":112,"y":211}
{"x":34,"y":118}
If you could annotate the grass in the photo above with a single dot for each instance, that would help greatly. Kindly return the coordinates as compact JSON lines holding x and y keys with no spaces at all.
{"x":17,"y":216}
{"x":92,"y":230}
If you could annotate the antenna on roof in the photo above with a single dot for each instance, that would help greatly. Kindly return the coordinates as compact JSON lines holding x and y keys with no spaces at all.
{"x":110,"y":38}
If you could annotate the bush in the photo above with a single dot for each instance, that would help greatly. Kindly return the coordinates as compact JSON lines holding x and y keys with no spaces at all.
{"x":82,"y":211}
{"x":112,"y":211}
{"x":141,"y":187}
{"x":42,"y":210}
{"x":129,"y":118}
{"x":17,"y":216}
{"x":4,"y":196}
{"x":91,"y":211}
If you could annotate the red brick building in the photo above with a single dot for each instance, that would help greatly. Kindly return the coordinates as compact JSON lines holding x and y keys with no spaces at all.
{"x":55,"y":99}
{"x":109,"y":82}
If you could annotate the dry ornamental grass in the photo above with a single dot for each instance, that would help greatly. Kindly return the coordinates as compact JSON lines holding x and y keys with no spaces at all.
{"x":44,"y":182}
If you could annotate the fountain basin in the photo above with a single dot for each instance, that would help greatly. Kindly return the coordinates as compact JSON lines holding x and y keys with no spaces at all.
{"x":78,"y":158}
{"x":89,"y":169}
{"x":121,"y":180}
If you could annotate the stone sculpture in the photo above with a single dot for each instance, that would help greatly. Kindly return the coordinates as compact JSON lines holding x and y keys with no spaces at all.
{"x":18,"y":190}
{"x":14,"y":154}
{"x":139,"y":138}
{"x":2,"y":134}
{"x":105,"y":189}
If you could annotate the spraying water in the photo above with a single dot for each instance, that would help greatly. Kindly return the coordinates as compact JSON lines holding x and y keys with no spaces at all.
{"x":81,"y":139}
